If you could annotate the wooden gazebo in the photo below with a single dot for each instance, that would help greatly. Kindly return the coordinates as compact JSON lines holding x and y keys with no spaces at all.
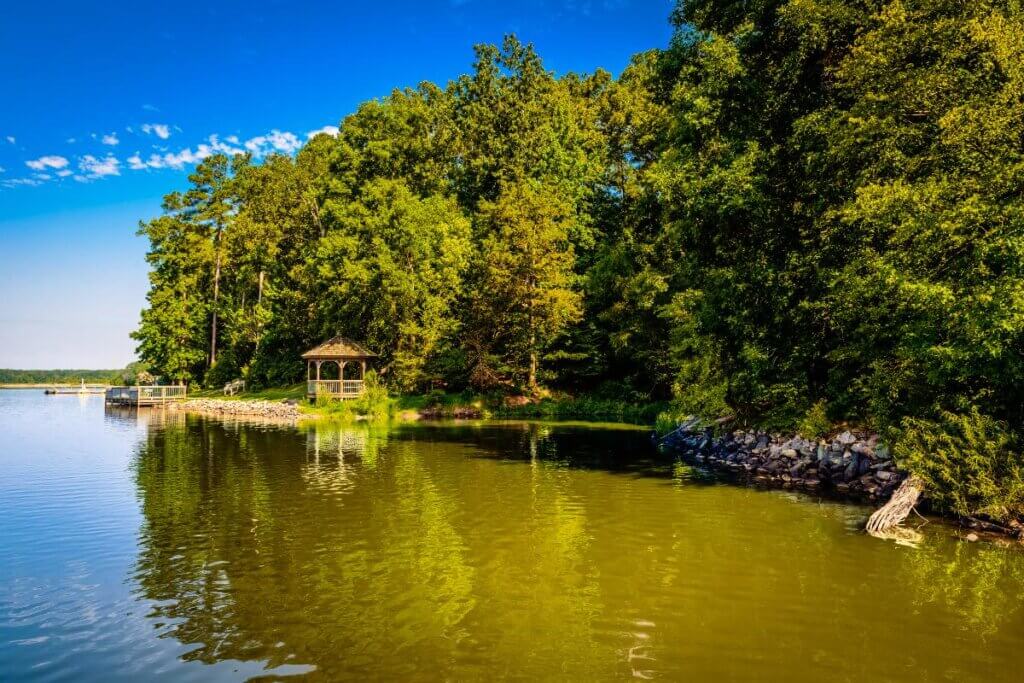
{"x":343,"y":353}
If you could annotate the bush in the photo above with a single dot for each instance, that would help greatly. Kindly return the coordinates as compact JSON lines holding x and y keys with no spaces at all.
{"x":580,"y":407}
{"x":967,"y":462}
{"x":815,"y":424}
{"x":434,"y":398}
{"x":373,"y":404}
{"x":666,"y":422}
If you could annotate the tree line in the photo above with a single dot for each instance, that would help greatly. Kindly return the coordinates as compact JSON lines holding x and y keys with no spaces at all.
{"x":795,"y":208}
{"x":10,"y":376}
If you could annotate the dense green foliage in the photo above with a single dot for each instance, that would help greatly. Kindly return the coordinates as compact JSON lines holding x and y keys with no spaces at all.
{"x":798,"y":211}
{"x":135,"y":373}
{"x":8,"y":376}
{"x":967,"y":463}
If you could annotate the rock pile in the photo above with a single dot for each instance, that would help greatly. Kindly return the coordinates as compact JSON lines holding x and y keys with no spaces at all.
{"x":261,"y":409}
{"x":850,"y":464}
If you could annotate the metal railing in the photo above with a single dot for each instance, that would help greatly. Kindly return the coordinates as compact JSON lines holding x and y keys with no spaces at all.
{"x":335,"y":388}
{"x":146,"y":395}
{"x":160,"y":394}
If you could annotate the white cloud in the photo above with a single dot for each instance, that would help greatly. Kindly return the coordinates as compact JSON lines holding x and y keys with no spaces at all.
{"x":10,"y":139}
{"x":149,"y":107}
{"x":184,"y":157}
{"x":49,"y":161}
{"x":274,"y":141}
{"x":177,"y":160}
{"x":326,"y":130}
{"x":230,"y":149}
{"x":161,"y":130}
{"x":89,"y":167}
{"x":92,"y":168}
{"x":70,"y":141}
{"x":15,"y":182}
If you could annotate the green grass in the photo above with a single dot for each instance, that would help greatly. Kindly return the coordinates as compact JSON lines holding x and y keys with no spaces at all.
{"x":294,"y":391}
{"x":583,"y":408}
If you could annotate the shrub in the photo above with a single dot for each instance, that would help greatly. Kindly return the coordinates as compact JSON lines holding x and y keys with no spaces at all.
{"x":967,"y":462}
{"x":666,"y":422}
{"x":373,"y":404}
{"x":815,"y":424}
{"x":434,"y":398}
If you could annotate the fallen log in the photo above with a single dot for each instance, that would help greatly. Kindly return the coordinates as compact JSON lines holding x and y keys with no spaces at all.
{"x":898,"y":508}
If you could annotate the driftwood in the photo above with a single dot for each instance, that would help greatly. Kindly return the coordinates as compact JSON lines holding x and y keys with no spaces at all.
{"x":898,"y":508}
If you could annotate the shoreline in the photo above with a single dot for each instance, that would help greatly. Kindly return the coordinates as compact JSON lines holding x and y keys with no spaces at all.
{"x":261,"y":408}
{"x":852,"y":466}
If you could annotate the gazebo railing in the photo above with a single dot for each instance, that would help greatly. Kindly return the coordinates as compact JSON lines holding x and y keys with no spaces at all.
{"x":335,"y":388}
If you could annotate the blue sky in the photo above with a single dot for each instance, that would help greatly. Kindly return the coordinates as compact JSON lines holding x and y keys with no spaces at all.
{"x":105,"y":107}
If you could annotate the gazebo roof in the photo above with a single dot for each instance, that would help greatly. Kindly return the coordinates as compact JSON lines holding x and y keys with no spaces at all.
{"x":339,"y":347}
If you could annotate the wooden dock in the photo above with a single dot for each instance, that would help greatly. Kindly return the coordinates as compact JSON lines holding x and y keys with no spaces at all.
{"x":145,"y":395}
{"x":76,"y":389}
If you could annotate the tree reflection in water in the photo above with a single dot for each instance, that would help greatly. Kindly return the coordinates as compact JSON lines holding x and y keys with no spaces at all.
{"x":472,"y":551}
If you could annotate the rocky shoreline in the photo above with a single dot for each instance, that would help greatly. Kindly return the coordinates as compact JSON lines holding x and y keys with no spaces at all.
{"x":851,"y":464}
{"x":272,"y":410}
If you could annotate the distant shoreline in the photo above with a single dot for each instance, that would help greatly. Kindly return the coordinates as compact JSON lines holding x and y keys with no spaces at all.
{"x":46,"y":385}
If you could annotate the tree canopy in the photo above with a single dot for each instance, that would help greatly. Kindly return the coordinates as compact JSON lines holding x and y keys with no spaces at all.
{"x":794,"y":204}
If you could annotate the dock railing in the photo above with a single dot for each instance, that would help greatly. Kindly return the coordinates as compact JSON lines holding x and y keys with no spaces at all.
{"x":146,"y":395}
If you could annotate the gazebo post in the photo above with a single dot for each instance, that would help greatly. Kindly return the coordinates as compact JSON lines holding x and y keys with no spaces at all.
{"x":318,"y":370}
{"x":362,"y":372}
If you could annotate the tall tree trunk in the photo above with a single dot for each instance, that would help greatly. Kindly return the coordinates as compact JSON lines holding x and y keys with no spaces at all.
{"x":259,"y":297}
{"x":532,"y":377}
{"x":531,"y":288}
{"x":216,"y":299}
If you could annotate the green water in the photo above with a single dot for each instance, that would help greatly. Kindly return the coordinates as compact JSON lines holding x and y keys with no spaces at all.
{"x":159,"y":547}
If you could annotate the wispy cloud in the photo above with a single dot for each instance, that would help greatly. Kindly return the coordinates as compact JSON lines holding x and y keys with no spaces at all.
{"x":11,"y":139}
{"x":326,"y":130}
{"x":49,"y":161}
{"x":149,"y":107}
{"x":161,"y":130}
{"x":92,"y":168}
{"x":16,"y":182}
{"x":274,"y":141}
{"x":71,"y":141}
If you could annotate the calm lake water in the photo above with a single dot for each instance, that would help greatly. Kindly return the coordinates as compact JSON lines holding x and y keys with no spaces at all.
{"x":164,"y":547}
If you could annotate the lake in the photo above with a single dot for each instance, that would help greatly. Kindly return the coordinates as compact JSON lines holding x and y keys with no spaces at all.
{"x":159,"y":546}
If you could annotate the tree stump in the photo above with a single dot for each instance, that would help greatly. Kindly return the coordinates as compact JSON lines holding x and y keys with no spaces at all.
{"x":898,"y":508}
